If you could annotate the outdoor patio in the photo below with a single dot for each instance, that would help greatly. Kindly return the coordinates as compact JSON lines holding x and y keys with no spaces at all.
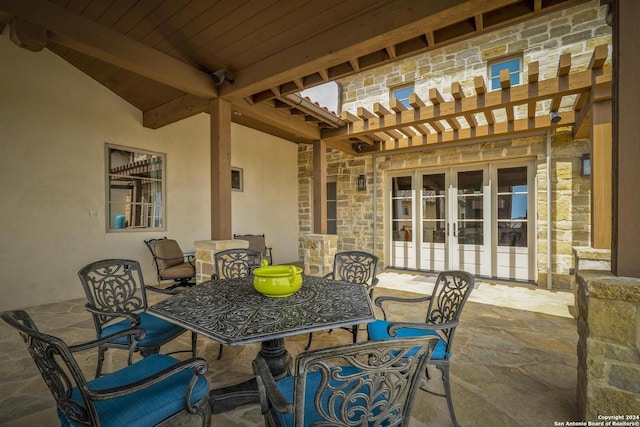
{"x":514,"y":364}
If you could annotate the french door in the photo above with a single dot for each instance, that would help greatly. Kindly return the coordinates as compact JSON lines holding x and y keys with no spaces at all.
{"x":469,"y":218}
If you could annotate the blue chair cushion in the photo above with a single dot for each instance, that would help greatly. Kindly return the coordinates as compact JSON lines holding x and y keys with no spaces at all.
{"x":148,"y":406}
{"x":378,"y":331}
{"x":158,"y":331}
{"x":311,"y":416}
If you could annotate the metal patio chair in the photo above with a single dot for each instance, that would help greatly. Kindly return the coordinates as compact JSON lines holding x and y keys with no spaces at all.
{"x":363,"y":384}
{"x":235,"y":264}
{"x":353,"y":267}
{"x":445,"y":304}
{"x":171,"y":263}
{"x":257,"y":242}
{"x":117,"y":300}
{"x":153,"y":390}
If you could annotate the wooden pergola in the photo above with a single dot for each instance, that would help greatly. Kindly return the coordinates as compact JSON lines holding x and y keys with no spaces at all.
{"x":502,"y":113}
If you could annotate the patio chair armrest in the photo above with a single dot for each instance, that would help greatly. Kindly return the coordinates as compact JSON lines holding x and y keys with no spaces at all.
{"x":328,"y":276}
{"x":133,"y":317}
{"x":380,"y":300}
{"x":393,"y":327}
{"x":268,"y":390}
{"x":137,"y":334}
{"x":198,"y":365}
{"x":189,"y":257}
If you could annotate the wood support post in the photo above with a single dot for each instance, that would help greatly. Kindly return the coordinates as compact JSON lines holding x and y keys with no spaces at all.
{"x":601,"y":183}
{"x":220,"y":111}
{"x":319,"y":187}
{"x":626,"y":139}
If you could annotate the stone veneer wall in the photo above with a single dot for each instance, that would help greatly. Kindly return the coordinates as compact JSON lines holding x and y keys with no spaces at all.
{"x":608,"y":346}
{"x":357,"y":216}
{"x":319,"y":251}
{"x":577,"y":30}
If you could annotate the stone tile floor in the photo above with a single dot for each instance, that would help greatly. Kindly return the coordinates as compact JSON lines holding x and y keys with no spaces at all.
{"x":514,"y":364}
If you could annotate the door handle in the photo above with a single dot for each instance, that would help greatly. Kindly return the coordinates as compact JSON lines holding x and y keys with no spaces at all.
{"x":454,"y":230}
{"x":447,"y":229}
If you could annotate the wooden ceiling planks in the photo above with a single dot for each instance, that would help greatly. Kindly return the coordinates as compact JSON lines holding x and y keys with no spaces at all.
{"x":277,"y":47}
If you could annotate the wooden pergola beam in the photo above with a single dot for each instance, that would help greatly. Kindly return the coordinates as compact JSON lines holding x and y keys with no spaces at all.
{"x":482,"y":103}
{"x":449,"y":136}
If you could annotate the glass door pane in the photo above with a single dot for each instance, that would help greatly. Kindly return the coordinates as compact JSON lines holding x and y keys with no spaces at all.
{"x":470,"y":208}
{"x":403,"y":250}
{"x":512,"y":206}
{"x":513,"y":258}
{"x":433,"y":206}
{"x":402,"y":209}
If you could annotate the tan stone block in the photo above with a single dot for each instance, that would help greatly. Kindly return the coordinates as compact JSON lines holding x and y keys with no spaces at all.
{"x":607,"y":400}
{"x":609,"y":320}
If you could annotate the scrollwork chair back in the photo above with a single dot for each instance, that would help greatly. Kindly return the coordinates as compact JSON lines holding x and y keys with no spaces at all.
{"x":359,"y":384}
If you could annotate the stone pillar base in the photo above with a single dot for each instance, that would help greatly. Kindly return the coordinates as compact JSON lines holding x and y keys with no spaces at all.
{"x":205,"y":250}
{"x":319,"y":251}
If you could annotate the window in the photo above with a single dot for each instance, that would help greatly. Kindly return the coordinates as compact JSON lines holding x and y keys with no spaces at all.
{"x":401,"y":93}
{"x":512,"y":206}
{"x":514,"y":65}
{"x":135,"y":189}
{"x":332,"y":208}
{"x":237,"y":181}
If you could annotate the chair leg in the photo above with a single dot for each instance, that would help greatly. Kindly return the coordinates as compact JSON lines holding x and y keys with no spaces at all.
{"x":101,"y":351}
{"x":447,"y":392}
{"x":354,"y":331}
{"x":194,"y":343}
{"x":309,"y":341}
{"x":220,"y":352}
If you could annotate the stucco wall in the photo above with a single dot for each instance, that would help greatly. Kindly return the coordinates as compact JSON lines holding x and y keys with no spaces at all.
{"x":54,"y":122}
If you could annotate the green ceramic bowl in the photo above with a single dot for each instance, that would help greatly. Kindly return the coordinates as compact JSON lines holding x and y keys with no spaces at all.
{"x":277,"y":281}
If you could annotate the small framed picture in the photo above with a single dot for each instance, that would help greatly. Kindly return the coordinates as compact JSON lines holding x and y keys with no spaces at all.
{"x":236,"y":179}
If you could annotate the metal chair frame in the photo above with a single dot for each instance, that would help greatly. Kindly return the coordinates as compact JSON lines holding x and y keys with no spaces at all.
{"x":367,"y":383}
{"x":445,"y":304}
{"x":235,"y":264}
{"x":353,"y":267}
{"x":115,"y":290}
{"x":62,"y":374}
{"x":186,"y":258}
{"x":254,"y":245}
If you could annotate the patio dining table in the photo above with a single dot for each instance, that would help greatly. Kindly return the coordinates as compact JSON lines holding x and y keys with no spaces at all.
{"x":232,"y":312}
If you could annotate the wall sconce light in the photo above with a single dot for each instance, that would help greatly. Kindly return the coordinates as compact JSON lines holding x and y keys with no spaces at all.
{"x":586,"y":165}
{"x":220,"y":76}
{"x":362,"y":182}
{"x":555,"y":117}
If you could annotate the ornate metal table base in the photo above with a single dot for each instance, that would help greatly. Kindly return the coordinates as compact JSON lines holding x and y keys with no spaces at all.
{"x":227,"y":398}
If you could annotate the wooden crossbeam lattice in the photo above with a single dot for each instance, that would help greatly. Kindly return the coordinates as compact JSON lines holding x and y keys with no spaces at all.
{"x":508,"y":110}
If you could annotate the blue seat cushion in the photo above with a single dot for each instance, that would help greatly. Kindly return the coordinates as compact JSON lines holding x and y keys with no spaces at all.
{"x":311,"y":415}
{"x":158,"y":331}
{"x":148,"y":406}
{"x":378,"y":331}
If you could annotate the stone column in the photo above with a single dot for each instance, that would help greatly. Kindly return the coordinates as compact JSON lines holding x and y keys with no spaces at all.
{"x":319,"y":250}
{"x":205,"y":250}
{"x":608,"y":345}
